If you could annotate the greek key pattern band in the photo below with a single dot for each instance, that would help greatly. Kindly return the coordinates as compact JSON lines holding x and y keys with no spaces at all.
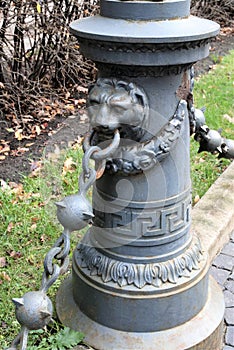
{"x":147,"y":222}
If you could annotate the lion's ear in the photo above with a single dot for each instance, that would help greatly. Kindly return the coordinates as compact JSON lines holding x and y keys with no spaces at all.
{"x":140,"y":99}
{"x":139,"y":95}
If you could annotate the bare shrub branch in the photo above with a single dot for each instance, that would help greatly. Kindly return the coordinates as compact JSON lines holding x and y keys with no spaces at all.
{"x":221,"y":11}
{"x":37,"y":52}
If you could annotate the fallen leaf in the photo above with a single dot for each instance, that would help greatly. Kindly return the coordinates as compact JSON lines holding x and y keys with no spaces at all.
{"x":16,"y":188}
{"x":10,"y":227}
{"x":82,"y":89}
{"x":82,"y":101}
{"x":228,"y":118}
{"x":35,"y":165}
{"x":42,"y":204}
{"x":4,"y":325}
{"x":42,"y":238}
{"x":31,"y":259}
{"x":29,"y":144}
{"x":35,"y":219}
{"x":4,"y":149}
{"x":38,"y":7}
{"x":18,"y":134}
{"x":15,"y":255}
{"x":68,"y":165}
{"x":70,"y":107}
{"x":35,"y":173}
{"x":78,"y":142}
{"x":2,"y":261}
{"x":19,"y":151}
{"x":2,"y":157}
{"x":67,"y":95}
{"x":10,"y":130}
{"x":24,"y":195}
{"x":44,"y":125}
{"x":36,"y":130}
{"x":5,"y":276}
{"x":4,"y":185}
{"x":196,"y":199}
{"x":33,"y":227}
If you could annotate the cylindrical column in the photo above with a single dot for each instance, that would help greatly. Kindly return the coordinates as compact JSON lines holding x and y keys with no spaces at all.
{"x":139,"y":273}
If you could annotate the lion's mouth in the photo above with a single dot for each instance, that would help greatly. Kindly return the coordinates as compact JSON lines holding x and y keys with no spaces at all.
{"x":106,"y":133}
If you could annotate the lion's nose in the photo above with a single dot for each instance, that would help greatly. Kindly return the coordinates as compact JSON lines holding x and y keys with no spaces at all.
{"x":102,"y":117}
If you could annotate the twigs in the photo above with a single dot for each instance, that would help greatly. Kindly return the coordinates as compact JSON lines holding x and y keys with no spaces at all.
{"x":37,"y":54}
{"x":221,"y":11}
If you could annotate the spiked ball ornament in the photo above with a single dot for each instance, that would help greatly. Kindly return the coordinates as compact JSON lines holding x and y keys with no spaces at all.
{"x":199,"y":118}
{"x":34,"y":310}
{"x":74,"y":212}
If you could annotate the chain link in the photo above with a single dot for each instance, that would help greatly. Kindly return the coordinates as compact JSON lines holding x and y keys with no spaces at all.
{"x":56,"y":261}
{"x":52,"y":270}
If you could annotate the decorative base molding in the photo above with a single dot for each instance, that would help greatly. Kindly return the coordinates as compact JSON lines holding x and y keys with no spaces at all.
{"x":127,"y":273}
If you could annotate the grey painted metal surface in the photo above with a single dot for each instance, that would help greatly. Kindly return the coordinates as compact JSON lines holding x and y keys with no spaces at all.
{"x":189,"y":335}
{"x":147,"y":10}
{"x":139,"y":273}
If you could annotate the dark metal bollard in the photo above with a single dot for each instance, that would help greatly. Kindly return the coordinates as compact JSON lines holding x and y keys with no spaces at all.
{"x":139,"y":276}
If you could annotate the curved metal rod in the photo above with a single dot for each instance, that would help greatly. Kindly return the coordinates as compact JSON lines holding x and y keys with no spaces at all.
{"x":64,"y":239}
{"x":84,"y":186}
{"x":103,"y":153}
{"x":48,"y":261}
{"x":47,"y":282}
{"x":20,"y":340}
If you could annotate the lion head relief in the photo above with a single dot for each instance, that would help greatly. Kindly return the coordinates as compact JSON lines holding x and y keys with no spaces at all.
{"x":115,"y":104}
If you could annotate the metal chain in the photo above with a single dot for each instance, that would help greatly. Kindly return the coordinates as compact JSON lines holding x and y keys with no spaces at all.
{"x":56,"y":260}
{"x":51,"y":270}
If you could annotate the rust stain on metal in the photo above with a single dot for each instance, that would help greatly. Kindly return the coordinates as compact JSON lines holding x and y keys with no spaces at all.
{"x":184,"y":89}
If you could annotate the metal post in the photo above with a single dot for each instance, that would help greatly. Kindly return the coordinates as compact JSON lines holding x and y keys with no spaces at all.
{"x":140,"y":277}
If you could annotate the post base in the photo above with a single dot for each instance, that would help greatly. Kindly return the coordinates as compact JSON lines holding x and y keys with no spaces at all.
{"x":204,"y":331}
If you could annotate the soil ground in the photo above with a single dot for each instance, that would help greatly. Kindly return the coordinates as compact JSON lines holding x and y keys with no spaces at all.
{"x":64,"y":130}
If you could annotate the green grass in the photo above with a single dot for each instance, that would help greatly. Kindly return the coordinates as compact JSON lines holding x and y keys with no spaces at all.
{"x":215,"y":91}
{"x":27,"y":213}
{"x":28,"y":230}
